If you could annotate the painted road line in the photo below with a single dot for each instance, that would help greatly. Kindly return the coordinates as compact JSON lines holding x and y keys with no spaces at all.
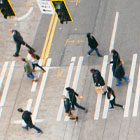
{"x":130,"y":85}
{"x":76,"y":78}
{"x":114,"y":31}
{"x":3,"y":73}
{"x":41,"y":89}
{"x":99,"y":96}
{"x":26,"y":15}
{"x":28,"y":107}
{"x":47,"y":38}
{"x":67,"y":83}
{"x":50,"y":40}
{"x":21,"y":121}
{"x":34,"y":84}
{"x":106,"y":105}
{"x":6,"y":87}
{"x":7,"y":84}
{"x":137,"y":96}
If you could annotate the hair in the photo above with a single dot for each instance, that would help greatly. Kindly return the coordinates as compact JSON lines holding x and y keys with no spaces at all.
{"x":20,"y":110}
{"x":88,"y":35}
{"x":92,"y":70}
{"x":23,"y":59}
{"x":114,"y":51}
{"x":110,"y":90}
{"x":69,"y":89}
{"x":32,"y":53}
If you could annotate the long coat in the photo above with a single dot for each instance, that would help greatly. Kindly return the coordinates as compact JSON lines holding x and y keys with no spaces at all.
{"x":92,"y":42}
{"x":119,"y":72}
{"x":97,"y":78}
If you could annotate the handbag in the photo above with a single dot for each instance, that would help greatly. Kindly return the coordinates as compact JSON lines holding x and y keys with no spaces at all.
{"x":99,"y":89}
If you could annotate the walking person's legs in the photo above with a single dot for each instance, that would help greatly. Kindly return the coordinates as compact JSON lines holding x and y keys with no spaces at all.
{"x":118,"y":82}
{"x":126,"y":79}
{"x":28,"y":46}
{"x":81,"y":107}
{"x":119,"y":105}
{"x":37,"y":129}
{"x":97,"y":52}
{"x":90,"y":51}
{"x":40,"y":67}
{"x":18,"y":46}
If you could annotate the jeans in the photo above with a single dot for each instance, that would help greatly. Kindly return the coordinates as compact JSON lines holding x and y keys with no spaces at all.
{"x":96,"y":50}
{"x":112,"y":102}
{"x":36,"y":128}
{"x":31,"y":76}
{"x":77,"y":105}
{"x":118,"y":83}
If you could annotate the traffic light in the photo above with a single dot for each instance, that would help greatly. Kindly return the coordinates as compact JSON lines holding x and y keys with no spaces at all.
{"x":62,"y":11}
{"x":6,"y":9}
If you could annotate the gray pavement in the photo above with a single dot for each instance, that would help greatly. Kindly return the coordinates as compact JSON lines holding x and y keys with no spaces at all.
{"x":89,"y":16}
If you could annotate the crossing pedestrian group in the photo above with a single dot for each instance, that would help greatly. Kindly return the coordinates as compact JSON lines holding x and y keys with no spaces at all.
{"x":70,"y":100}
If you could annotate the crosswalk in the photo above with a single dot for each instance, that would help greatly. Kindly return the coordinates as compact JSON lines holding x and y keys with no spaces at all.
{"x":73,"y":74}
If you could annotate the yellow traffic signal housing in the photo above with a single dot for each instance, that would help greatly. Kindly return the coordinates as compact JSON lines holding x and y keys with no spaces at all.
{"x":6,"y":9}
{"x":62,"y":11}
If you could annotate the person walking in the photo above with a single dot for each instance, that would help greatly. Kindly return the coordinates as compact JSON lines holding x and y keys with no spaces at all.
{"x":19,"y":41}
{"x":73,"y":98}
{"x":68,"y":111}
{"x":26,"y":116}
{"x":112,"y":97}
{"x":117,"y":68}
{"x":93,"y":44}
{"x":28,"y":70}
{"x":35,"y":58}
{"x":98,"y":81}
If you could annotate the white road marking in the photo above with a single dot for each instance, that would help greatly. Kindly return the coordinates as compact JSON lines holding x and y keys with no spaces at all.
{"x":40,"y":93}
{"x":6,"y":87}
{"x":137,"y":96}
{"x":61,"y":107}
{"x":21,"y":121}
{"x":26,"y":15}
{"x":76,"y":78}
{"x":3,"y":73}
{"x":130,"y":85}
{"x":99,"y":96}
{"x":106,"y":105}
{"x":114,"y":31}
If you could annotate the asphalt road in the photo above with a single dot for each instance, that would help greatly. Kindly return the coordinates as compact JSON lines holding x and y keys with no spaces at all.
{"x":115,"y":24}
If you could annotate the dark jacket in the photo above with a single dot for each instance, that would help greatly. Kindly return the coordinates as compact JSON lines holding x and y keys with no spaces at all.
{"x":92,"y":42}
{"x":17,"y":37}
{"x":119,"y":72}
{"x":98,"y":79}
{"x":115,"y":60}
{"x":26,"y":116}
{"x":67,"y":105}
{"x":72,"y":96}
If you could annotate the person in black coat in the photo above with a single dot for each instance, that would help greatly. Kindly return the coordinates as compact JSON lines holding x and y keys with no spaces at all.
{"x":98,"y":79}
{"x":26,"y":116}
{"x":117,"y":68}
{"x":67,"y":106}
{"x":111,"y":97}
{"x":93,"y":44}
{"x":19,"y":41}
{"x":73,"y":98}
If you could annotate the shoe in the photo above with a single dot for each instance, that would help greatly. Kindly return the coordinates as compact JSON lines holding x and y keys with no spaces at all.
{"x":100,"y":55}
{"x":111,"y":108}
{"x":88,"y":54}
{"x":40,"y":132}
{"x":24,"y":127}
{"x":15,"y":55}
{"x":73,"y":109}
{"x":77,"y":119}
{"x":123,"y":107}
{"x":43,"y":71}
{"x":104,"y":92}
{"x":35,"y":80}
{"x":86,"y":110}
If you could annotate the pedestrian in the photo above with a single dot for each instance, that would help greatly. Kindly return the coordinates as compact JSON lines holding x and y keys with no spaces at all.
{"x":28,"y":70}
{"x":26,"y":116}
{"x":19,"y":41}
{"x":73,"y":99}
{"x":117,"y":68}
{"x":35,"y":58}
{"x":93,"y":44}
{"x":68,"y":111}
{"x":98,"y":81}
{"x":111,"y":97}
